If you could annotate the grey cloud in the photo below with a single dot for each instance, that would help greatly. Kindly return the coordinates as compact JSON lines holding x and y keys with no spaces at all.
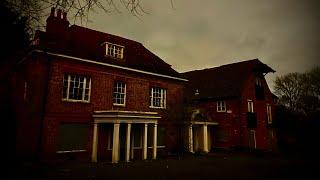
{"x":200,"y":34}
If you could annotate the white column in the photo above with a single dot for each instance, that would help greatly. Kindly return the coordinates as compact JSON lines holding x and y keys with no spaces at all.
{"x":205,"y":138}
{"x":190,"y":138}
{"x":94,"y":143}
{"x":154,"y":141}
{"x":132,"y":144}
{"x":145,"y":141}
{"x":128,"y":142}
{"x":115,"y":146}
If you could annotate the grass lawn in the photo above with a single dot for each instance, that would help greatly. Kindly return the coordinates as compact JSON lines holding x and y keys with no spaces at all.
{"x":213,"y":166}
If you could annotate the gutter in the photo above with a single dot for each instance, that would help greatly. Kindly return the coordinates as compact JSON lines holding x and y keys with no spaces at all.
{"x":111,"y":65}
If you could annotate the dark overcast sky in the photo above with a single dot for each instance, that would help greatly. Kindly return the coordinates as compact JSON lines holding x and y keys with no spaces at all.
{"x":198,"y":34}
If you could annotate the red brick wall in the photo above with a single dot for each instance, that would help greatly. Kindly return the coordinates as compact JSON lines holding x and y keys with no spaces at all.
{"x":102,"y":79}
{"x":28,"y":110}
{"x":259,"y":107}
{"x":235,"y":117}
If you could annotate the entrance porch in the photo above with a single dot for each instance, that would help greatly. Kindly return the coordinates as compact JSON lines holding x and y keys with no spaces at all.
{"x":200,"y":136}
{"x":122,"y":123}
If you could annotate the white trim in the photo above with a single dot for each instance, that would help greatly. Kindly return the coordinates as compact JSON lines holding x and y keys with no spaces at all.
{"x":112,"y":44}
{"x":157,"y":91}
{"x":269,"y":114}
{"x":124,"y":93}
{"x":114,"y":66}
{"x":150,"y":147}
{"x":84,"y":85}
{"x":254,"y":137}
{"x":71,"y":151}
{"x":202,"y":122}
{"x":140,"y":112}
{"x":127,"y":116}
{"x":250,"y":105}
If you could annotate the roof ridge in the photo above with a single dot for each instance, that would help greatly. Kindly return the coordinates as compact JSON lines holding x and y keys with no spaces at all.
{"x":117,"y":36}
{"x":224,"y":65}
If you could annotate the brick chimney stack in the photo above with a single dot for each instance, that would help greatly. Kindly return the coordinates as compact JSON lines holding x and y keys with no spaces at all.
{"x":57,"y":33}
{"x":57,"y":22}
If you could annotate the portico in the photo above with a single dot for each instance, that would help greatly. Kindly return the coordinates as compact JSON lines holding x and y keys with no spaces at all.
{"x":125,"y":118}
{"x":199,"y":136}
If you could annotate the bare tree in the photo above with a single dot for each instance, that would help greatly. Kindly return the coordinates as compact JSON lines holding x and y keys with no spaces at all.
{"x":288,"y":88}
{"x":36,"y":10}
{"x":299,"y":91}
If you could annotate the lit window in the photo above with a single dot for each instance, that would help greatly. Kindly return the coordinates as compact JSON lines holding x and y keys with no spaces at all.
{"x":221,"y":106}
{"x":114,"y":50}
{"x":119,"y":93}
{"x":269,"y":114}
{"x":250,"y":106}
{"x":158,"y":97}
{"x":76,"y":88}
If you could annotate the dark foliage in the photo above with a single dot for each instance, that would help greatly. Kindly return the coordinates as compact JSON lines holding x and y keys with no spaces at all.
{"x":298,"y":132}
{"x":14,"y":39}
{"x":14,"y":31}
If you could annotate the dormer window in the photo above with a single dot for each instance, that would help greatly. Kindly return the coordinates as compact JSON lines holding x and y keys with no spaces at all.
{"x":114,"y":50}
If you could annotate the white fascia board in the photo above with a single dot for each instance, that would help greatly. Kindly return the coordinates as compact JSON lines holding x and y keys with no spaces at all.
{"x":111,"y":65}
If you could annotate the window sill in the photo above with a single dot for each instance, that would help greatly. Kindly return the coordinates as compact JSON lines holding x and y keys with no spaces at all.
{"x":221,"y":111}
{"x":71,"y":151}
{"x":150,"y":147}
{"x":154,"y":107}
{"x":119,"y":105}
{"x":72,"y":100}
{"x":108,"y":56}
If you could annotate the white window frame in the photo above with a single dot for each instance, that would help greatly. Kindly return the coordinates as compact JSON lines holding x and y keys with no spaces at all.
{"x":115,"y":85}
{"x":158,"y":93}
{"x":86,"y":81}
{"x":269,"y":114}
{"x":116,"y":50}
{"x":221,"y":106}
{"x":254,"y":137}
{"x":250,"y":105}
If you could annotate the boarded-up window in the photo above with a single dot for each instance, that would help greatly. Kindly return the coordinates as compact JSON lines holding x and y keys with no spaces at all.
{"x":72,"y":137}
{"x":221,"y":135}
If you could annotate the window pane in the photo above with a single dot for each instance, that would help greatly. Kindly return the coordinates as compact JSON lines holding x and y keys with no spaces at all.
{"x":119,"y":92}
{"x":76,"y":87}
{"x":158,"y":97}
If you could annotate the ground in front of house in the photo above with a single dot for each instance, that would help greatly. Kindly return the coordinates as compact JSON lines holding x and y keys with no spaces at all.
{"x":212,"y":166}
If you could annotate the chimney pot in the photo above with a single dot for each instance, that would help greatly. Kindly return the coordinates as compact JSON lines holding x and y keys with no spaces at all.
{"x":52,"y":12}
{"x":64,"y":16}
{"x":59,"y":13}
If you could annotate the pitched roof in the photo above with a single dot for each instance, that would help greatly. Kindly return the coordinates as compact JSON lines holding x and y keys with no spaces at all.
{"x":222,"y":82}
{"x":86,"y":43}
